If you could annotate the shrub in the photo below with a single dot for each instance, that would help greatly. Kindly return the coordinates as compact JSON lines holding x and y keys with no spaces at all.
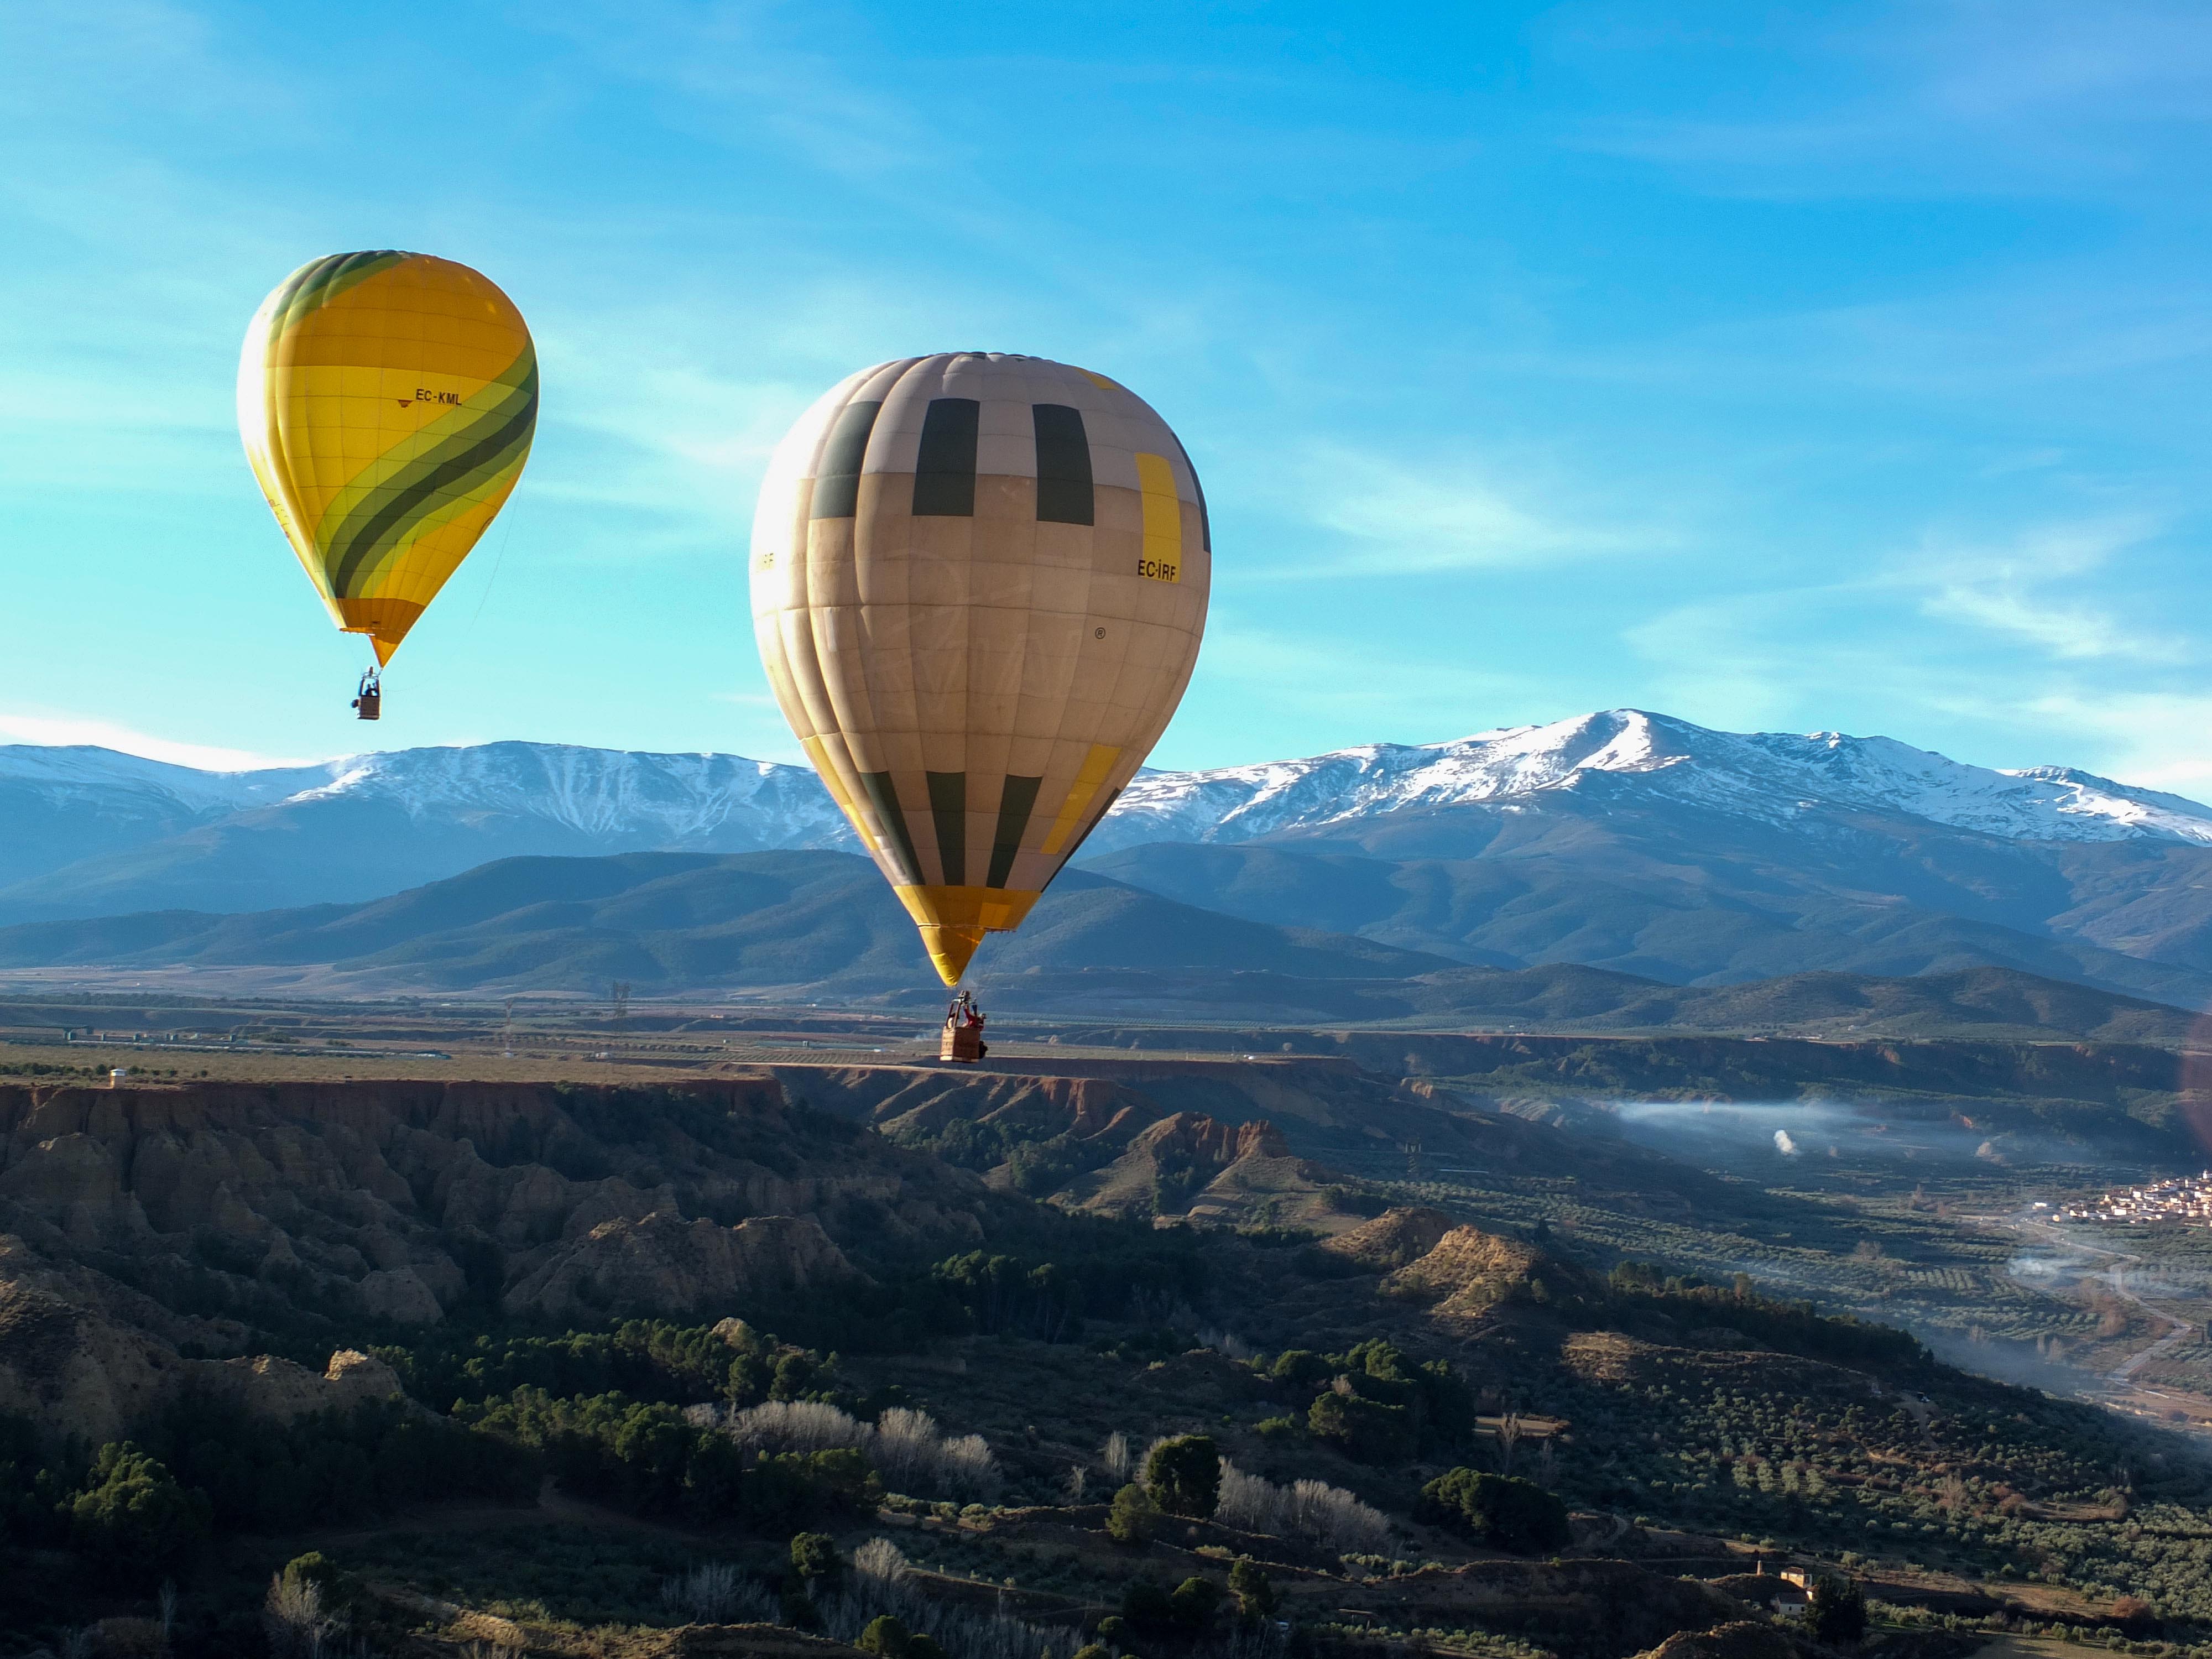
{"x":330,"y":1466}
{"x":1183,"y":1475}
{"x":1838,"y":1615}
{"x":651,"y":1459}
{"x":884,"y":1636}
{"x":130,"y":1638}
{"x":905,"y":1445}
{"x":1134,"y":1517}
{"x":1253,"y":1590}
{"x":814,"y":1557}
{"x":1146,"y":1604}
{"x":133,"y":1514}
{"x":1504,"y":1511}
{"x":1369,"y":1431}
{"x":1302,"y":1367}
{"x":317,"y":1569}
{"x":294,"y":1618}
{"x":1194,"y":1602}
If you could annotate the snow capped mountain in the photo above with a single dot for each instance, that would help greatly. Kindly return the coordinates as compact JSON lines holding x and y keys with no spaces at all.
{"x":670,"y":800}
{"x":678,"y":799}
{"x":88,"y":832}
{"x":1773,"y":777}
{"x":81,"y":776}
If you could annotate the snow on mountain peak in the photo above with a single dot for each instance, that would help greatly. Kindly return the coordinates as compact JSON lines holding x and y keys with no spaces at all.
{"x":1770,"y":776}
{"x":615,"y":800}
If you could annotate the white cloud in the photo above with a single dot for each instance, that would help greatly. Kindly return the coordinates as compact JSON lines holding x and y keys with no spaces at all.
{"x":67,"y":730}
{"x":1407,"y":522}
{"x":2019,"y":590}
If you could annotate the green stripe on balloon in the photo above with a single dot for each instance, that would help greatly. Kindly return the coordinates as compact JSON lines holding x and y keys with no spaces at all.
{"x":480,"y":449}
{"x":325,"y":281}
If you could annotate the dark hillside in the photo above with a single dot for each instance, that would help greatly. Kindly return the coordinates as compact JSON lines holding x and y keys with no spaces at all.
{"x":527,"y":1357}
{"x":822,"y":926}
{"x":1598,"y":875}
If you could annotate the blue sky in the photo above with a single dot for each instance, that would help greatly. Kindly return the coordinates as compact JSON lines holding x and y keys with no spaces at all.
{"x":1779,"y":367}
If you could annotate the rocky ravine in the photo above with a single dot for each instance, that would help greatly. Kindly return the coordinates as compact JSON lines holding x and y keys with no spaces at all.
{"x":139,"y":1226}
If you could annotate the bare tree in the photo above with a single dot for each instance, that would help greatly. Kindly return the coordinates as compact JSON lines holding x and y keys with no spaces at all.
{"x":711,"y":1593}
{"x":880,"y":1559}
{"x":296,"y":1621}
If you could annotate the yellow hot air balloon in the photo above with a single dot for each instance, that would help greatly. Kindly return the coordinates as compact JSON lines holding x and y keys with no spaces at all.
{"x":387,"y":402}
{"x":978,"y":583}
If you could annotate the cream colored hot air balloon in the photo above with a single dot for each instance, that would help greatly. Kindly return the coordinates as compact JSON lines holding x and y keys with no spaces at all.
{"x":978,"y":582}
{"x":387,"y":402}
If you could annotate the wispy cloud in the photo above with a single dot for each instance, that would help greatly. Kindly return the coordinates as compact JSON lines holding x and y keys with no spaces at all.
{"x":78,"y":729}
{"x":2021,"y":590}
{"x":1395,"y":519}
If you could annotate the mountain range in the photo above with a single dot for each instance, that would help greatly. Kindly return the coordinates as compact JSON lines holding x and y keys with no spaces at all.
{"x":1622,"y":839}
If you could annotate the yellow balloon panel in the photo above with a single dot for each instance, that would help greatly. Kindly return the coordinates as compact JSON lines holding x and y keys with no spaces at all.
{"x":387,"y":402}
{"x":979,"y":584}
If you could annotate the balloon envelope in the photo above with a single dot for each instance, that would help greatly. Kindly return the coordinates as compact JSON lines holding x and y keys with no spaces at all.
{"x":387,"y":402}
{"x":979,"y":583}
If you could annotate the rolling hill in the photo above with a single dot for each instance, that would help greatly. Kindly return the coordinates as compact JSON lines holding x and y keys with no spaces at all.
{"x":796,"y":926}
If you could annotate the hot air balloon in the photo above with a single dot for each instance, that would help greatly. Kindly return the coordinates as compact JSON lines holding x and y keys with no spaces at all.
{"x":387,"y":402}
{"x":979,"y":582}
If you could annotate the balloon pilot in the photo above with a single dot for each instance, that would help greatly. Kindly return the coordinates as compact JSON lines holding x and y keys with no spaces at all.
{"x":963,"y":1031}
{"x":369,"y":701}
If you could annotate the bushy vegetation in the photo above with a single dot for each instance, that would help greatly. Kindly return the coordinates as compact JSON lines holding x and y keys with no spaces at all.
{"x":1182,"y":1475}
{"x":1305,"y":1509}
{"x":1502,"y":1510}
{"x":1132,"y":1518}
{"x":1712,"y":1406}
{"x":133,"y":1516}
{"x":1785,"y":1326}
{"x":647,"y":1459}
{"x":1376,"y":1404}
{"x":645,"y":1359}
{"x":904,"y":1445}
{"x":380,"y":1455}
{"x":1837,"y":1614}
